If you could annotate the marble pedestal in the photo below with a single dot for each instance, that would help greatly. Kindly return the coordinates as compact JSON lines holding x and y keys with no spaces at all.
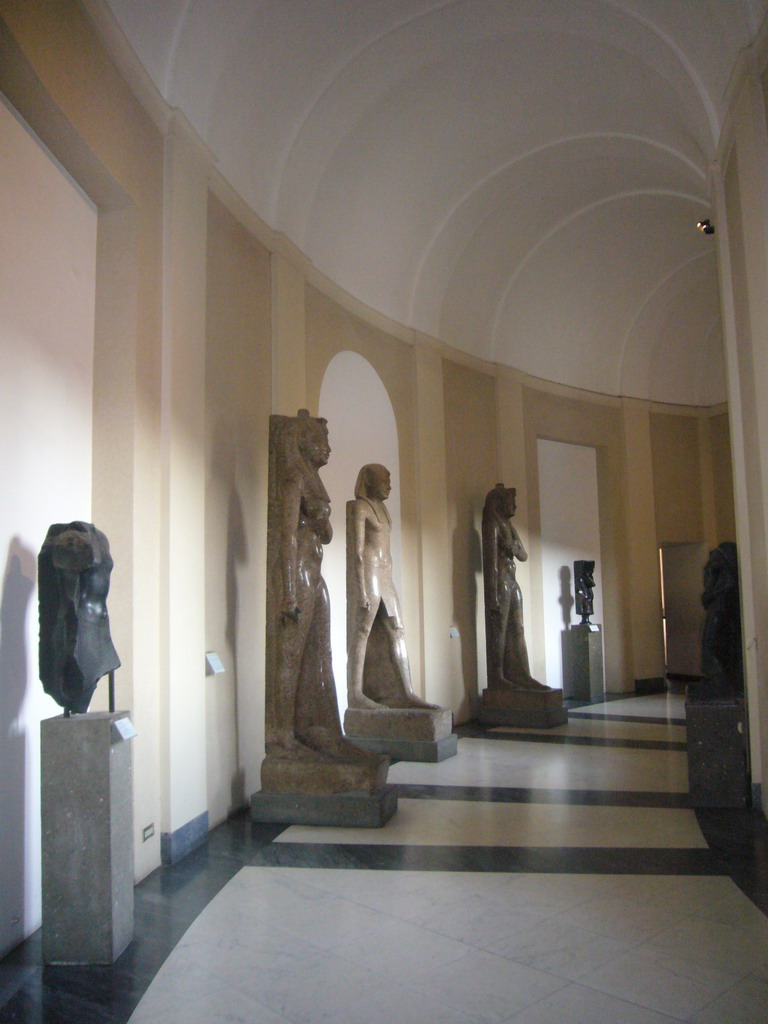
{"x":718,"y":775}
{"x":583,"y":678}
{"x":87,"y":839}
{"x":532,"y":709}
{"x":344,"y":793}
{"x":409,"y":734}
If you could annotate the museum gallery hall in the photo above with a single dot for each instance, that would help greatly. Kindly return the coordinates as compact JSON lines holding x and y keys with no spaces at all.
{"x":385,"y":473}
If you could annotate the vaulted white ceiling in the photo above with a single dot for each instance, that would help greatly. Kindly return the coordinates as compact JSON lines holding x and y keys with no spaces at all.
{"x":520,"y":178}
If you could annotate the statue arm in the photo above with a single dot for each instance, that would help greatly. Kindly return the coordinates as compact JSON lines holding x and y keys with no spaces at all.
{"x":289,"y":547}
{"x":491,"y":564}
{"x":517,"y":545}
{"x":359,"y":521}
{"x":326,"y":534}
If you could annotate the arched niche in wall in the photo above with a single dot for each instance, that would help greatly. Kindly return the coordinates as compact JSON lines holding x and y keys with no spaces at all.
{"x":362,"y":429}
{"x":570,"y":530}
{"x":47,"y":302}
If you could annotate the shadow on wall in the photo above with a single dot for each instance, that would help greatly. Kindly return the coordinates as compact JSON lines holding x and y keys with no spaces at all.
{"x":237,"y":555}
{"x":467,"y":568}
{"x":18,"y":586}
{"x":223,"y":458}
{"x":566,"y":601}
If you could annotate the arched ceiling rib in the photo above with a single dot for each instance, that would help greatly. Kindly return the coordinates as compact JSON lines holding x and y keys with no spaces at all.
{"x":519,"y":179}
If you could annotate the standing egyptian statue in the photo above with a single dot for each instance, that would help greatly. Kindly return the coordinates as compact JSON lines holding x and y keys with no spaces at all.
{"x":75,"y":648}
{"x":378,"y":673}
{"x":302,"y":715}
{"x":506,"y":650}
{"x":584,"y":583}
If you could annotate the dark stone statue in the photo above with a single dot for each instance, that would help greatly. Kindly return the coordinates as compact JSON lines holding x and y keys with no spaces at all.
{"x":306,"y":750}
{"x":506,"y":650}
{"x":584,"y":582}
{"x":76,"y":650}
{"x":722,"y":667}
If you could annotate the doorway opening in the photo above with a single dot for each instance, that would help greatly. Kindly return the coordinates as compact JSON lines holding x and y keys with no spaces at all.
{"x":681,"y":568}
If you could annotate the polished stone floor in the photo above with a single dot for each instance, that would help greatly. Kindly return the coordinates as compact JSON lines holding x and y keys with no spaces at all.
{"x":552,"y":877}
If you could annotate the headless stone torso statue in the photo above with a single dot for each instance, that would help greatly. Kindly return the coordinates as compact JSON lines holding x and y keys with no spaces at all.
{"x":378,"y":674}
{"x":506,"y":650}
{"x":76,"y":650}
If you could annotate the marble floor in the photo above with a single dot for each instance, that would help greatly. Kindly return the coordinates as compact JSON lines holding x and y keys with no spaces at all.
{"x":538,"y":877}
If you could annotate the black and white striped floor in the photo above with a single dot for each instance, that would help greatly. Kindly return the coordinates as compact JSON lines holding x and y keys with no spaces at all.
{"x":552,"y":877}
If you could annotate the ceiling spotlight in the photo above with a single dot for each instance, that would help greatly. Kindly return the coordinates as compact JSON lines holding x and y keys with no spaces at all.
{"x":706,"y":226}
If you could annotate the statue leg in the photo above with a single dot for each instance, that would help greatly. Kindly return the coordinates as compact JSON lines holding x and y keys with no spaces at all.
{"x":517,"y":670}
{"x":399,"y":655}
{"x":496,"y":628}
{"x":356,"y":660}
{"x":290,"y":639}
{"x":317,"y":708}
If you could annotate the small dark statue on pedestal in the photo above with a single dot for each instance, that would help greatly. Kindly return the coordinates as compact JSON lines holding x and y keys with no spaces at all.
{"x":722,"y":667}
{"x":584,"y":582}
{"x":76,"y":650}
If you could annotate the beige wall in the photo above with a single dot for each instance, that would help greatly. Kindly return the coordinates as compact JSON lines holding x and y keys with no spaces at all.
{"x":237,"y":422}
{"x":56,"y":73}
{"x":722,"y":474}
{"x":472,"y":469}
{"x":741,"y":186}
{"x":330,"y":329}
{"x":47,"y":289}
{"x":557,"y":416}
{"x":677,"y":478}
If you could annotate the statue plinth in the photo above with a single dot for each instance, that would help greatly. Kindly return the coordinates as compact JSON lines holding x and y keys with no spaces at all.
{"x":87,"y":838}
{"x":341,"y":793}
{"x":533,"y":709}
{"x":409,"y":734}
{"x":718,"y":769}
{"x":288,"y":775}
{"x":583,"y":662}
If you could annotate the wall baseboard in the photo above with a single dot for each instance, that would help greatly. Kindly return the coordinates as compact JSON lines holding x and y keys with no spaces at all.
{"x":656,"y":684}
{"x":175,"y":845}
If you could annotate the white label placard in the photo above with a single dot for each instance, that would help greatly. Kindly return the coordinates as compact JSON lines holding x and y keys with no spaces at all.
{"x":214,"y":663}
{"x":124,"y":728}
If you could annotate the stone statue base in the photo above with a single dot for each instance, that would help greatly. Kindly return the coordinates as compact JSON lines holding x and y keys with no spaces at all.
{"x":290,"y":775}
{"x":409,"y":734}
{"x":350,"y":810}
{"x":532,"y":709}
{"x":718,"y":774}
{"x":348,"y":793}
{"x":583,"y":662}
{"x":87,"y":838}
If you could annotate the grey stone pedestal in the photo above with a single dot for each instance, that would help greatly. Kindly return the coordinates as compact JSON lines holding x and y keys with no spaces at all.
{"x":87,"y":839}
{"x":410,"y":734}
{"x":717,"y":754}
{"x":583,"y":678}
{"x":351,"y":810}
{"x":527,"y":709}
{"x":351,"y":793}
